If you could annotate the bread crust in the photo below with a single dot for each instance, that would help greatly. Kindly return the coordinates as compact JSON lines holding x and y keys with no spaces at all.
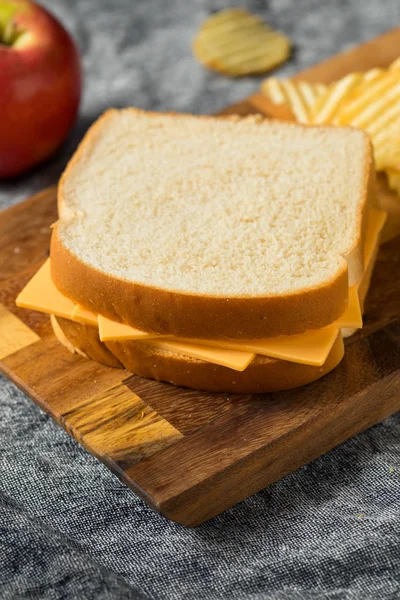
{"x":84,"y":340}
{"x":262,"y":375}
{"x":355,"y":256}
{"x":185,"y":315}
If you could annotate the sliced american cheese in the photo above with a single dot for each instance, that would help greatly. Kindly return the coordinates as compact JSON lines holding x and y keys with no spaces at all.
{"x":366,"y":280}
{"x":112,"y":331}
{"x":376,"y":221}
{"x":352,"y":316}
{"x":310,"y":348}
{"x":232,"y":359}
{"x":82,"y":315}
{"x":41,"y":294}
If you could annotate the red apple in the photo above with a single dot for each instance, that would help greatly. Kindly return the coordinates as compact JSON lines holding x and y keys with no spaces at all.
{"x":40,"y":85}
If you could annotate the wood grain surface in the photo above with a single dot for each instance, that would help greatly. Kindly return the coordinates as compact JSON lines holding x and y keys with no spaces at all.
{"x":188,"y":454}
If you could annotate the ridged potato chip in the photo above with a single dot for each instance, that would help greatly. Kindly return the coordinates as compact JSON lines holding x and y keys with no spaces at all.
{"x":299,"y":96}
{"x":395,"y":65}
{"x":236,"y":43}
{"x":329,"y":104}
{"x":375,"y":104}
{"x":387,"y":147}
{"x":356,"y":100}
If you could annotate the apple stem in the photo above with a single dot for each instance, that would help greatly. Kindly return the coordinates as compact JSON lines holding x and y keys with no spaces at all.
{"x":10,"y":33}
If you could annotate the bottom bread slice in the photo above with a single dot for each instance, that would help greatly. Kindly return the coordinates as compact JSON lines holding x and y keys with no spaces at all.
{"x":262,"y":375}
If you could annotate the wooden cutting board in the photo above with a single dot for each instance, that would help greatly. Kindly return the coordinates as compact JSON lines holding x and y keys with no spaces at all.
{"x":188,"y":454}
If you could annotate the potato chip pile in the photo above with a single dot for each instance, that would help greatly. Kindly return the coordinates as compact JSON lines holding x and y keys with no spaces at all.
{"x":236,"y":43}
{"x":369,"y":101}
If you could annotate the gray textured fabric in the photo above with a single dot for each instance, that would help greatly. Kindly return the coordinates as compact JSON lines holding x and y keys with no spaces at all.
{"x":68,"y":527}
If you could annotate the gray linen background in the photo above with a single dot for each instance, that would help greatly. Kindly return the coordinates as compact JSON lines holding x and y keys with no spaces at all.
{"x":68,"y":527}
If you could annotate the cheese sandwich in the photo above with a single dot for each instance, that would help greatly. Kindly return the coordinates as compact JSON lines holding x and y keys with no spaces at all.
{"x":223,"y":254}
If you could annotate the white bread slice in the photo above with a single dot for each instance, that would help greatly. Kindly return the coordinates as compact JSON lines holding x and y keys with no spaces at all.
{"x":262,"y":375}
{"x":213,"y":228}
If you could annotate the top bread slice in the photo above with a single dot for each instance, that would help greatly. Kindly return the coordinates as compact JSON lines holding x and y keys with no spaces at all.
{"x":210,"y":228}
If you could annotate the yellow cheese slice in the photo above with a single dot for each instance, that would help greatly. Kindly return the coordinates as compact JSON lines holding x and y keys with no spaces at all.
{"x":352,"y":316}
{"x":376,"y":220}
{"x":309,"y":348}
{"x":366,"y":280}
{"x":82,"y":315}
{"x":112,"y":331}
{"x":41,"y":294}
{"x":232,"y":359}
